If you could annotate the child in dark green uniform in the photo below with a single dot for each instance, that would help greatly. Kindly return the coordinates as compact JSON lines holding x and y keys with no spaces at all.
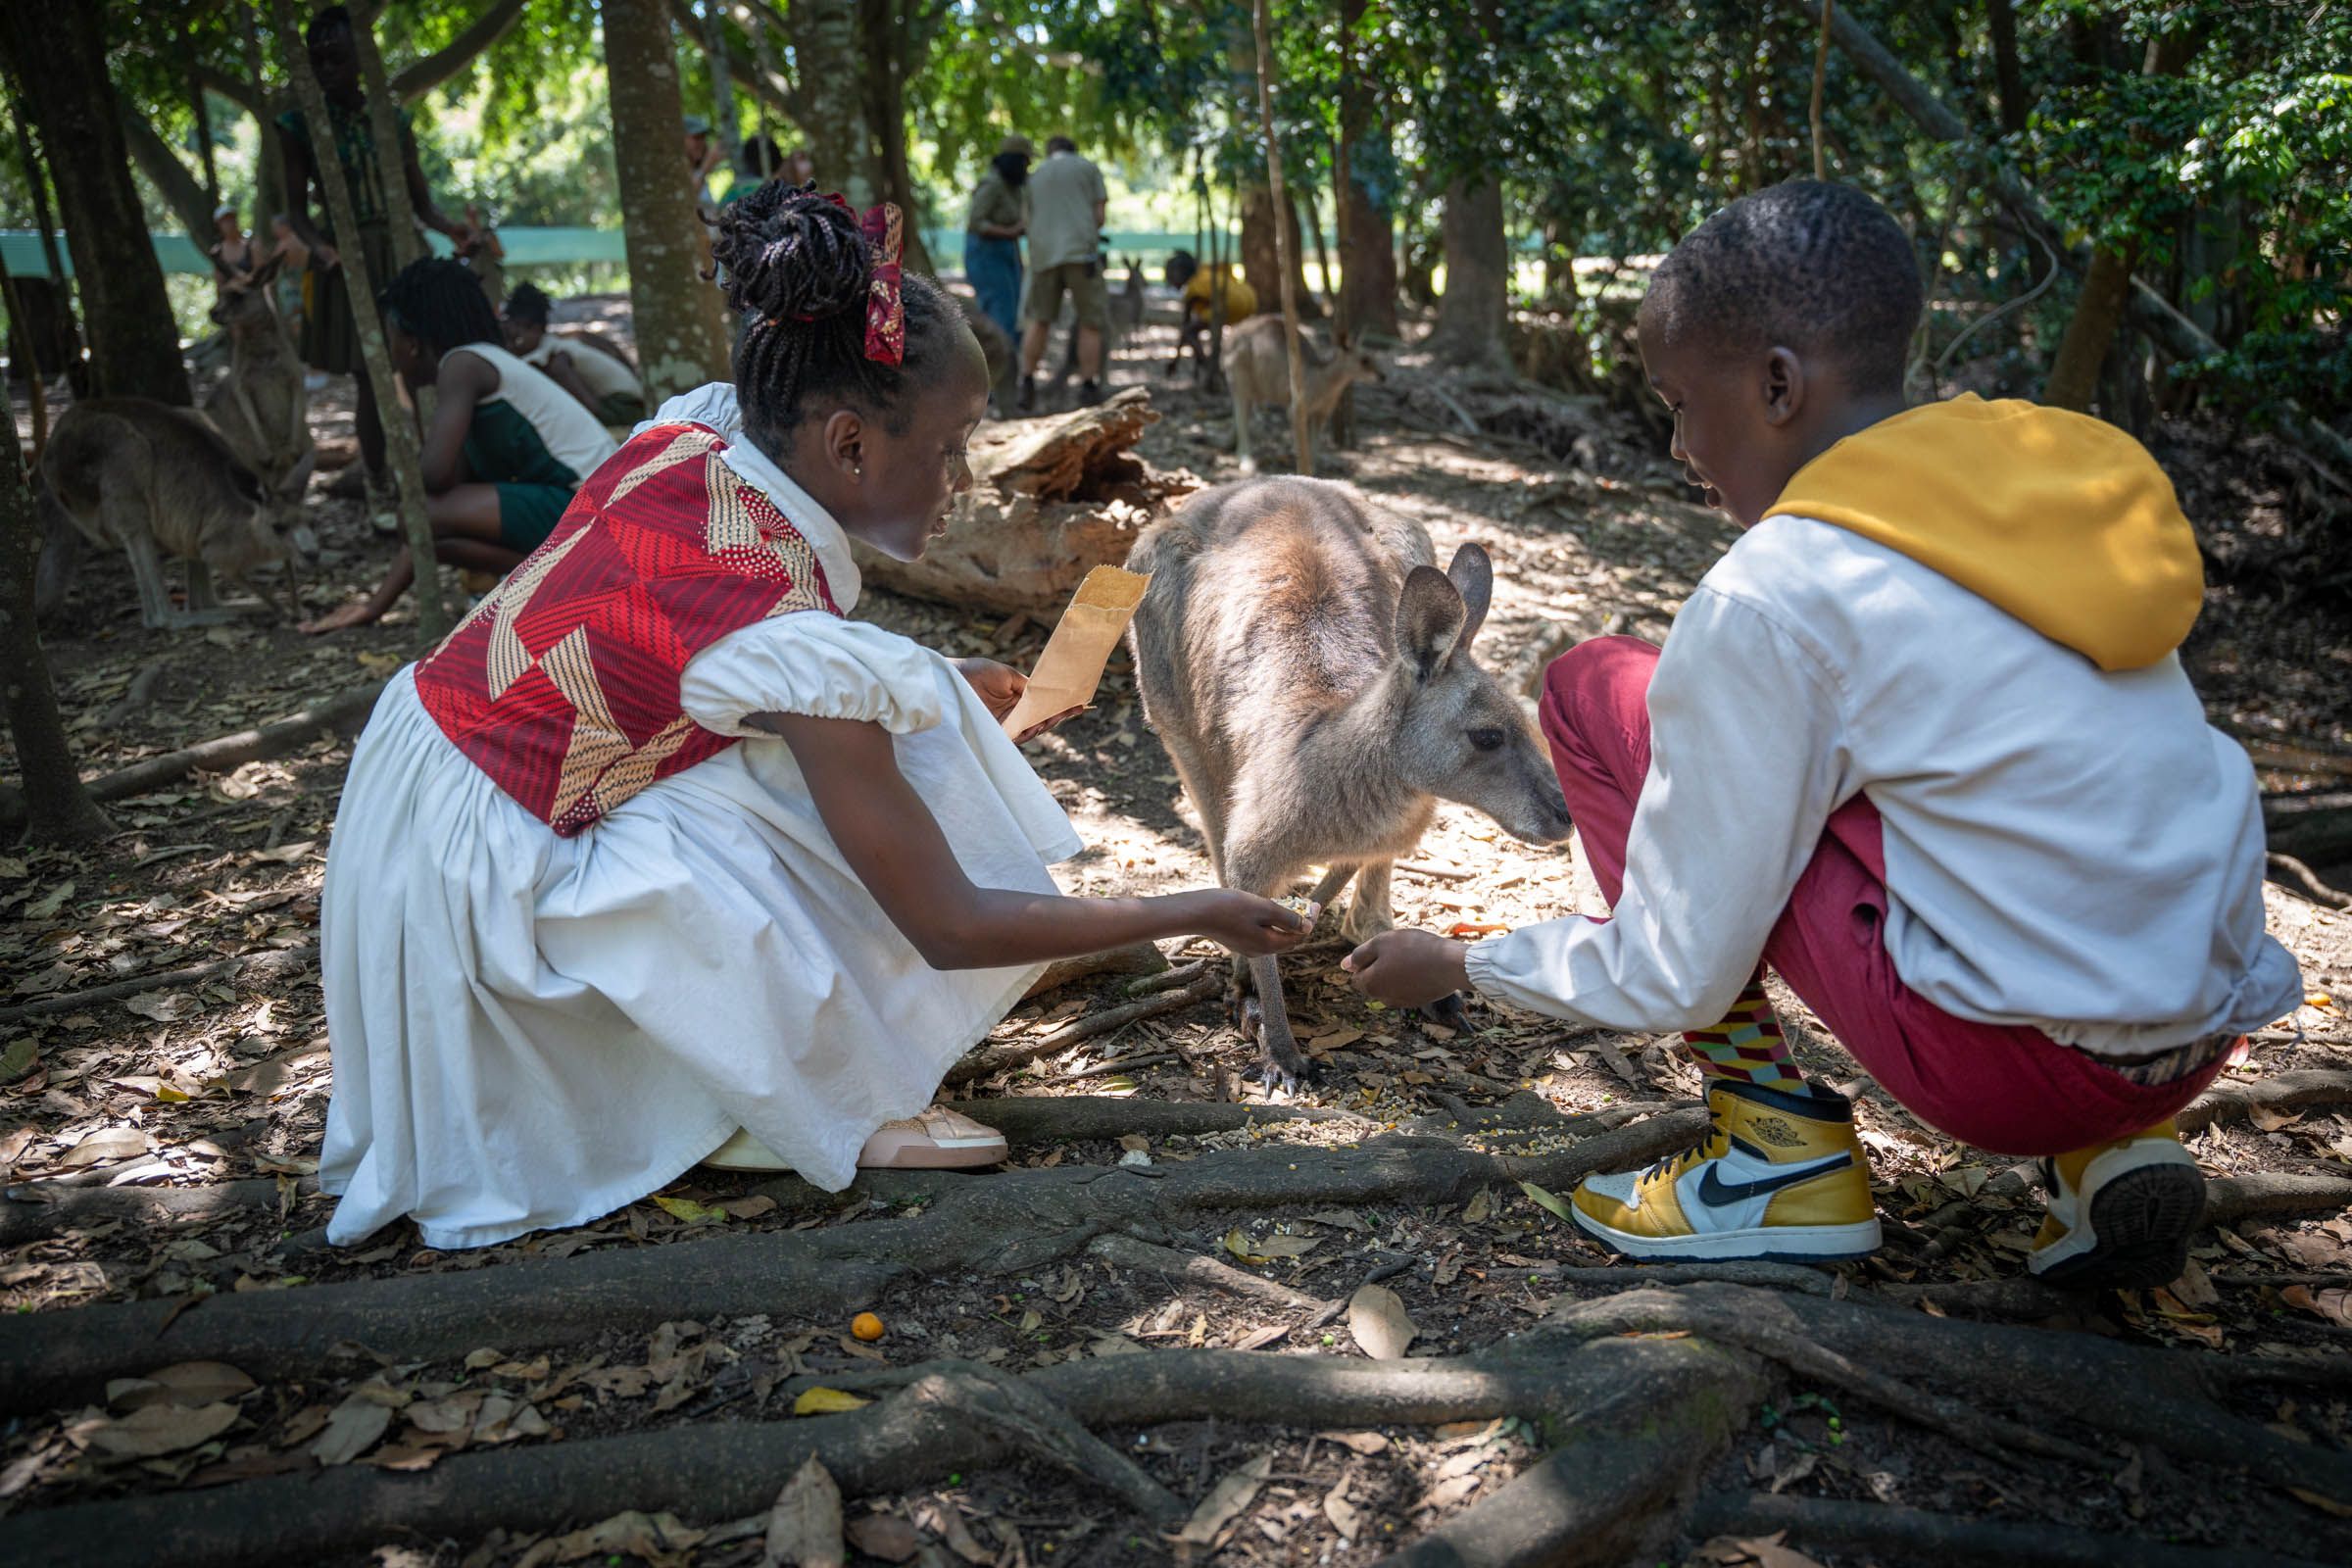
{"x":507,"y":445}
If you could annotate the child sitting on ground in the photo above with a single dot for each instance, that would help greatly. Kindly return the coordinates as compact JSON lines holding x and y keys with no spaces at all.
{"x":660,"y":856}
{"x":508,"y":447}
{"x":1922,"y":743}
{"x":584,"y":364}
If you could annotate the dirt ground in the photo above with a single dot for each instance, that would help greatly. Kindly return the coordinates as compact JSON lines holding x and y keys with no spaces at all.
{"x":195,"y":1081}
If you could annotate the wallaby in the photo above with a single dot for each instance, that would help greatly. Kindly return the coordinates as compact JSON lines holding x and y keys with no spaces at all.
{"x":1309,"y":671}
{"x":157,"y":480}
{"x":1258,"y":369}
{"x":260,"y":407}
{"x":1127,"y":305}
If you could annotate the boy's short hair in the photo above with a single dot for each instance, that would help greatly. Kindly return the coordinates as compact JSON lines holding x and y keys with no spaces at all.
{"x":1811,"y":266}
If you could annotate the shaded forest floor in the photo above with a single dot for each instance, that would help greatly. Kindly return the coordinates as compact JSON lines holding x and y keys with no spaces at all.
{"x":163,"y":1143}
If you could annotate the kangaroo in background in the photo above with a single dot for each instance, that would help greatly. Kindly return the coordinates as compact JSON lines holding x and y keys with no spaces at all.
{"x":260,"y":407}
{"x":1257,"y":370}
{"x":156,"y":481}
{"x":1309,"y":671}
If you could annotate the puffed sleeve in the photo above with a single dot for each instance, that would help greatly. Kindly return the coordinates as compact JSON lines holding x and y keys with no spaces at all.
{"x":816,"y":663}
{"x":712,"y":406}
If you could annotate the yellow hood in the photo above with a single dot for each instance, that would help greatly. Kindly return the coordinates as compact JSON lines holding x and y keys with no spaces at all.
{"x":2061,"y":519}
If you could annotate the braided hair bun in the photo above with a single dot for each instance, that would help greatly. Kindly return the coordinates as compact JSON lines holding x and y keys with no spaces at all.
{"x":789,"y":254}
{"x":795,"y":267}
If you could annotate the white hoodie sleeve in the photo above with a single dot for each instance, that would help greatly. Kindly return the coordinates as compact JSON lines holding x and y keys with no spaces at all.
{"x":1747,"y":760}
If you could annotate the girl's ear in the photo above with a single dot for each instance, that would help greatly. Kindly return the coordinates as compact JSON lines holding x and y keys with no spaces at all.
{"x":845,"y":444}
{"x":1784,"y":386}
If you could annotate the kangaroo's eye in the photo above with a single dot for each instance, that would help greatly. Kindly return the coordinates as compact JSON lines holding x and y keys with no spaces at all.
{"x":1487,"y":740}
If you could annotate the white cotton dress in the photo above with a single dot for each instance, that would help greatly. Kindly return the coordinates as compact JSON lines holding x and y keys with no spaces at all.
{"x":532,"y":1031}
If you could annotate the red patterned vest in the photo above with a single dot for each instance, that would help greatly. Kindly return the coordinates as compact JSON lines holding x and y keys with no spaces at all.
{"x":562,"y":685}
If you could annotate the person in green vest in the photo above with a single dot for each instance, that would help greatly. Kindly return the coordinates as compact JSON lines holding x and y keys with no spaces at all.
{"x":329,"y":340}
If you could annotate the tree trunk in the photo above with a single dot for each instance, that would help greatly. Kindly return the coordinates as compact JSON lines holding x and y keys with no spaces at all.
{"x":170,"y":177}
{"x":401,"y":440}
{"x":1286,"y":249}
{"x":391,"y":151}
{"x":723,"y":84}
{"x":1262,"y":250}
{"x":680,"y":320}
{"x":58,"y":810}
{"x":826,"y":47}
{"x":421,"y":77}
{"x":1367,"y":243}
{"x":58,"y":57}
{"x":895,"y":46}
{"x":2001,"y":18}
{"x":1475,"y":307}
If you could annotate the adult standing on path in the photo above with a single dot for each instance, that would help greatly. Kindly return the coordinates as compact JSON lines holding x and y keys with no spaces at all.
{"x":1066,"y":203}
{"x":330,"y":334}
{"x":991,"y":235}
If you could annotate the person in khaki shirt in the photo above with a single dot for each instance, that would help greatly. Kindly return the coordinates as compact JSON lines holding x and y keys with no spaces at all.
{"x":1066,"y":202}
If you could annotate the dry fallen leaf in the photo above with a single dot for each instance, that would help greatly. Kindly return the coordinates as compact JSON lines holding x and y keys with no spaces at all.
{"x":660,"y":1539}
{"x":1225,"y":1503}
{"x":1766,"y":1551}
{"x":1363,"y":1443}
{"x":106,"y":1143}
{"x":691,"y":1212}
{"x":187,"y":1382}
{"x":160,"y":1429}
{"x":804,"y":1528}
{"x":1345,"y":1516}
{"x":1382,"y":1327}
{"x":884,"y":1535}
{"x":826,"y":1401}
{"x":2335,"y":1306}
{"x":1479,"y":1208}
{"x":358,"y":1422}
{"x":1272,"y":1249}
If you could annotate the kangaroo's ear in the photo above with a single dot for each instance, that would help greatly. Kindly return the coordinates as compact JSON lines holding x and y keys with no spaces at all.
{"x":267,"y":269}
{"x":1430,"y":616}
{"x":1472,"y":573}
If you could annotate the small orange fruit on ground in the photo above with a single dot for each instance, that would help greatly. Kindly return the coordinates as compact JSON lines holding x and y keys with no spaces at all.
{"x":866,"y":1326}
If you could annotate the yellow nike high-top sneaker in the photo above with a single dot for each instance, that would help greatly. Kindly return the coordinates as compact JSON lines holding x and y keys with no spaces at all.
{"x":2121,"y":1212}
{"x":1779,"y":1176}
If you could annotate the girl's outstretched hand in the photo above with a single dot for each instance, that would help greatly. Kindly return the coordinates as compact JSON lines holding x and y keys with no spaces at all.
{"x":1252,"y":926}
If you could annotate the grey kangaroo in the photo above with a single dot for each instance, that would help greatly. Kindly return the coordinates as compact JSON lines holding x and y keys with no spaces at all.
{"x":1310,"y":674}
{"x":260,"y":407}
{"x":154,"y":481}
{"x":1257,"y":370}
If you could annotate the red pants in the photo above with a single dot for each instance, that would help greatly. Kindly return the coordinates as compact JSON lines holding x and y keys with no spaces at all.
{"x":2001,"y":1087}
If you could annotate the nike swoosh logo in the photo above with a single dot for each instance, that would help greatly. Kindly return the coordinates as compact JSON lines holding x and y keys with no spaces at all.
{"x":1716,"y":1193}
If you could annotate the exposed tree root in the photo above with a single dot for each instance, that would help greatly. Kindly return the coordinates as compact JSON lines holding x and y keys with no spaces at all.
{"x":1778,"y":1276}
{"x":947,"y":1419}
{"x":1028,"y":1120}
{"x":235,"y":750}
{"x":2304,"y":881}
{"x":988,"y":1059}
{"x":1954,"y":1542}
{"x":141,"y":691}
{"x":1169,"y":1263}
{"x":260,"y":965}
{"x":2231,"y":1198}
{"x":982,"y":1225}
{"x":22,"y":1221}
{"x":2227,"y":1101}
{"x":1135,"y":958}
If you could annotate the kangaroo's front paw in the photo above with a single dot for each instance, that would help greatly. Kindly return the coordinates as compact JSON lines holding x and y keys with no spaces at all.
{"x":1447,"y":1010}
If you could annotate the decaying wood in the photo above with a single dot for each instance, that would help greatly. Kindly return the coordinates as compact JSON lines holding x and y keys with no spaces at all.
{"x":225,"y":752}
{"x":2226,"y":1100}
{"x":1051,"y":498}
{"x":978,"y":1064}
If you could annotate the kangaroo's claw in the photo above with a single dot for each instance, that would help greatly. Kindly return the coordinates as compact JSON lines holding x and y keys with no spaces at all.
{"x":1447,"y":1010}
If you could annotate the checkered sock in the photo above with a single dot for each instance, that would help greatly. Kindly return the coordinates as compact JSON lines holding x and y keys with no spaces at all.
{"x":1747,"y":1044}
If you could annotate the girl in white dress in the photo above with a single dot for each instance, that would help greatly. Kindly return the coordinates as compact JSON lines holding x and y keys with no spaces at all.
{"x":625,"y":873}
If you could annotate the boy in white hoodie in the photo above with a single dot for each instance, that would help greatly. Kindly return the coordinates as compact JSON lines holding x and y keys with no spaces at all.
{"x":1920,"y":741}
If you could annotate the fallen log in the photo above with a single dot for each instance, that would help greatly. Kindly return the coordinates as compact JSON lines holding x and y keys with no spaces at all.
{"x":262,"y":965}
{"x":235,"y":751}
{"x":1051,"y":498}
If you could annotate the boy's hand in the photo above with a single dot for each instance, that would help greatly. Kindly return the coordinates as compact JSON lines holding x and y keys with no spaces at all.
{"x":1252,"y":926}
{"x":1407,"y":968}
